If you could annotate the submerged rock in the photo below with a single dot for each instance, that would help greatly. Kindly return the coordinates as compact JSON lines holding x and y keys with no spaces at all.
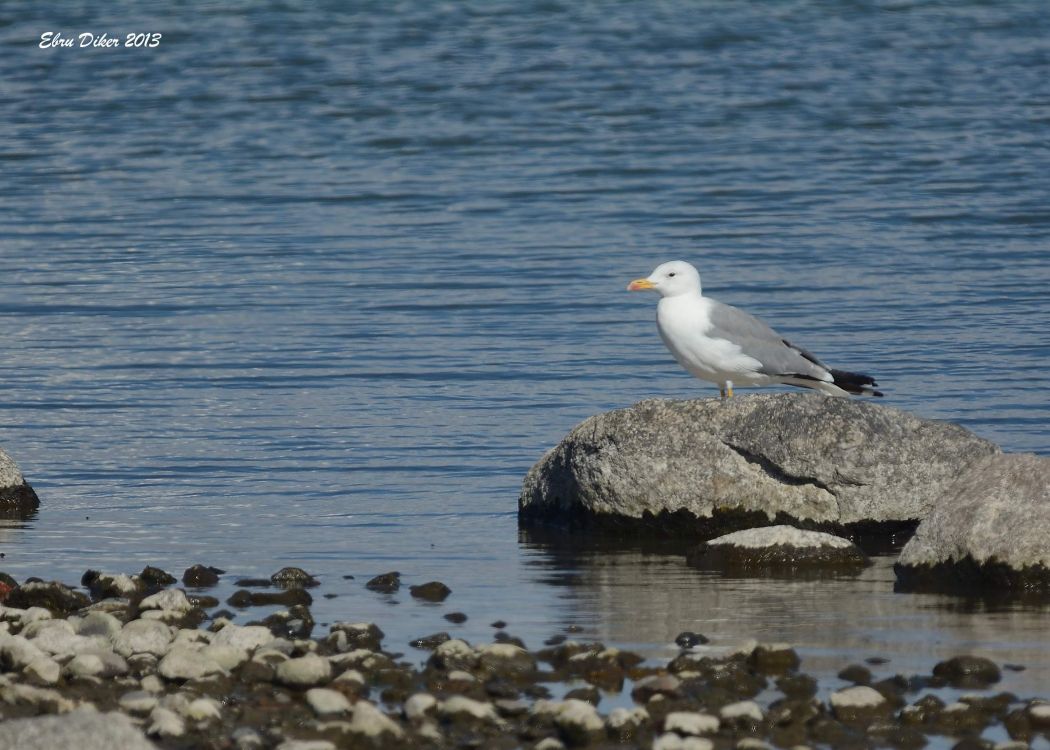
{"x":432,"y":591}
{"x":200,"y":576}
{"x":990,"y":530}
{"x":385,"y":583}
{"x":708,"y":466}
{"x":778,"y":550}
{"x":17,"y":498}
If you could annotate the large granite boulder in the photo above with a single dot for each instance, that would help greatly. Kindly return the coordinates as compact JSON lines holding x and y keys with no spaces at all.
{"x":16,"y":497}
{"x":707,"y":467}
{"x":990,"y":530}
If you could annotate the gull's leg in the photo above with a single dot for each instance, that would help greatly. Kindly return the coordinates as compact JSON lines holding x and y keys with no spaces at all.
{"x":729,"y":389}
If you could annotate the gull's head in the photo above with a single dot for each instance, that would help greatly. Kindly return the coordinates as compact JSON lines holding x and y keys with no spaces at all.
{"x":670,"y":280}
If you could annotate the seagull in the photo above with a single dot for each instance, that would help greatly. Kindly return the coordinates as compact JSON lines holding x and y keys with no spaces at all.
{"x":726,"y":345}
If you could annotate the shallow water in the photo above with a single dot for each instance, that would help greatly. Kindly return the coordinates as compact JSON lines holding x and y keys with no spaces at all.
{"x":309,"y":286}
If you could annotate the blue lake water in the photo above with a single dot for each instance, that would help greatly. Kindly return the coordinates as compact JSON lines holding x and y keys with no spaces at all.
{"x":315,"y":285}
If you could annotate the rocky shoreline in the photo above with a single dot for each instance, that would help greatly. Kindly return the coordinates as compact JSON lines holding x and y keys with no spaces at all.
{"x":135,"y":662}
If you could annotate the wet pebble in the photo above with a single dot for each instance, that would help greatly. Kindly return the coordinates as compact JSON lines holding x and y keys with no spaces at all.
{"x":432,"y":591}
{"x":201,"y":576}
{"x":968,"y":672}
{"x":385,"y":583}
{"x":688,"y":639}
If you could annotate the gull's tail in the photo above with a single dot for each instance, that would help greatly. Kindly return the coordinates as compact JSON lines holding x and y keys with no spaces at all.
{"x":855,"y":383}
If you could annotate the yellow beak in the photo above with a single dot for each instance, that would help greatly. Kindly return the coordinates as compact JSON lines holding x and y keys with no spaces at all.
{"x":639,"y":285}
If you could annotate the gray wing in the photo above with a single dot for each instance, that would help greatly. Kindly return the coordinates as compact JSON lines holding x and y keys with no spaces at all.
{"x":757,"y":340}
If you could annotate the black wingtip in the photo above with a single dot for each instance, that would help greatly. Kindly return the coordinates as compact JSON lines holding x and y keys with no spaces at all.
{"x":855,"y":383}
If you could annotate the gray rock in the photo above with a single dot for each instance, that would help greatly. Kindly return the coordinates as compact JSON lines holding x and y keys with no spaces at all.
{"x":15,"y":494}
{"x":143,"y":637}
{"x":326,"y":702}
{"x":84,"y":730}
{"x":173,"y":600}
{"x":306,"y":671}
{"x":778,"y":550}
{"x":991,"y":528}
{"x":43,"y":671}
{"x":248,"y":637}
{"x":710,"y":466}
{"x":186,"y":663}
{"x":17,"y":653}
{"x":99,"y":623}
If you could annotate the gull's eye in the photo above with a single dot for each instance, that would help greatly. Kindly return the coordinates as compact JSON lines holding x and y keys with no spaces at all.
{"x":671,"y":274}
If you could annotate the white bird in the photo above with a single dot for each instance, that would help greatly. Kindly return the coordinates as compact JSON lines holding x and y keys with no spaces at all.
{"x":728,"y":346}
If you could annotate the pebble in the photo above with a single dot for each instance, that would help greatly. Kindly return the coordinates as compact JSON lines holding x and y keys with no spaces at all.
{"x":371,"y":722}
{"x":42,"y":671}
{"x":458,"y":706}
{"x":170,"y":600}
{"x":305,"y":671}
{"x":325,"y":702}
{"x":138,"y":702}
{"x":689,"y":722}
{"x":143,"y":637}
{"x":741,"y":710}
{"x":184,"y":662}
{"x":165,"y":723}
{"x":419,"y":705}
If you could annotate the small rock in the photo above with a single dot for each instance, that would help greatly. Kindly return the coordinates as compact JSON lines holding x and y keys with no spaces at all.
{"x":248,"y":637}
{"x":85,"y":665}
{"x":156,"y":577}
{"x":165,"y":723}
{"x":857,"y":674}
{"x":143,"y":637}
{"x":294,"y":578}
{"x":358,"y":635}
{"x":430,"y":642}
{"x":774,"y":658}
{"x":624,"y":723}
{"x":741,"y":711}
{"x":506,"y":659}
{"x":457,"y":618}
{"x":459,"y":706}
{"x":858,"y":704}
{"x":201,"y":576}
{"x":226,"y":656}
{"x":171,"y":600}
{"x":203,"y":709}
{"x":371,"y":722}
{"x":184,"y":662}
{"x":665,"y":685}
{"x":385,"y":583}
{"x":99,"y":623}
{"x":452,"y":655}
{"x":691,"y":723}
{"x":577,"y":720}
{"x":56,"y":597}
{"x":305,"y":671}
{"x":104,"y":585}
{"x":138,"y":702}
{"x":42,"y":671}
{"x":688,"y":639}
{"x":671,"y":741}
{"x":325,"y":702}
{"x":968,"y":672}
{"x":418,"y":706}
{"x":432,"y":591}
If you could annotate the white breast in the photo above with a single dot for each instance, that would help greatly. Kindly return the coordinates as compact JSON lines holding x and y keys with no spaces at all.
{"x":684,"y":323}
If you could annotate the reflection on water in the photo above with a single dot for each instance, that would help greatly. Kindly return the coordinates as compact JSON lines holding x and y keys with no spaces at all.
{"x":644,"y":594}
